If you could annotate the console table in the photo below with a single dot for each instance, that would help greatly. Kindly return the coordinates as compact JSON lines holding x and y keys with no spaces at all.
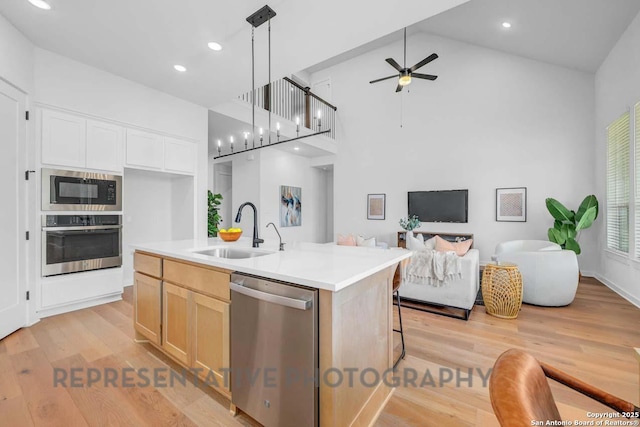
{"x":451,"y":237}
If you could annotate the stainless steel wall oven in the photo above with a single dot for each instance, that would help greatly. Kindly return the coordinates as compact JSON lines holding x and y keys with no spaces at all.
{"x":64,"y":190}
{"x":72,"y":243}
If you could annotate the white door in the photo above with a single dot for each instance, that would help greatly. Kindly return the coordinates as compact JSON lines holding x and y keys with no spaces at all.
{"x":13,"y":305}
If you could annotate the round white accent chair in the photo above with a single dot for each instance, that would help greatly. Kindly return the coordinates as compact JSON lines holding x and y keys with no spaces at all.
{"x":549,"y":273}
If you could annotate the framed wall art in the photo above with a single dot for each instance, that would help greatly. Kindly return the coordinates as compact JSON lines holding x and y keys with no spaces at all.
{"x":376,"y":206}
{"x":511,"y":204}
{"x":290,"y":206}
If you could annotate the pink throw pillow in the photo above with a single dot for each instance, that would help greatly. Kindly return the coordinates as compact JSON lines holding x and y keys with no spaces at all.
{"x":460,"y":248}
{"x":349,"y":240}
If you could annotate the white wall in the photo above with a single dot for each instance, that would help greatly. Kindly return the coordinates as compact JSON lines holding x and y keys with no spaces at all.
{"x":245,"y":176}
{"x":491,"y":120}
{"x":65,"y":83}
{"x":148,"y":213}
{"x":157,"y":207}
{"x":617,"y":90}
{"x":16,"y":57}
{"x":259,"y":180}
{"x":282,"y":168}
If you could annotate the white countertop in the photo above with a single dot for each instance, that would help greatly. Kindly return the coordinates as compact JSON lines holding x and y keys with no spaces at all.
{"x":321,"y":266}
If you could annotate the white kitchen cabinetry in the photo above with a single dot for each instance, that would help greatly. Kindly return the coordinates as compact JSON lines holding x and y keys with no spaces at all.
{"x":64,"y":139}
{"x":74,"y":141}
{"x":147,"y":150}
{"x":79,"y":142}
{"x":179,"y":156}
{"x":104,"y":146}
{"x":144,"y":150}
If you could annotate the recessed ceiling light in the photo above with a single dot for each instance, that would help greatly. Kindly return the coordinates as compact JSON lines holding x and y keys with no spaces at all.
{"x":506,"y":24}
{"x":41,"y":4}
{"x":180,"y":68}
{"x":214,"y":46}
{"x":296,"y":148}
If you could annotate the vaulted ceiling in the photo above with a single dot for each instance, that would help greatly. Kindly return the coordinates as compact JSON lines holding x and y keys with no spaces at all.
{"x":141,"y":40}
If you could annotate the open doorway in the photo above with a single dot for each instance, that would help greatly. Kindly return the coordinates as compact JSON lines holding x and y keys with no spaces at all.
{"x":222,"y":184}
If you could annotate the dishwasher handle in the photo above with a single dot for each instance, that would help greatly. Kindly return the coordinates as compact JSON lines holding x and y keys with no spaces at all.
{"x":272,"y":298}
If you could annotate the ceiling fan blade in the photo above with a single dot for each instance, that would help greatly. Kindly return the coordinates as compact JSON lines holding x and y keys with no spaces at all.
{"x":394,"y":64}
{"x":424,"y":76}
{"x":384,"y":78}
{"x":399,"y":88}
{"x":424,"y":62}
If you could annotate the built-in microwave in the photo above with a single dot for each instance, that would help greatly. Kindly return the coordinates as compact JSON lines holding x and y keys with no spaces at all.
{"x":64,"y":190}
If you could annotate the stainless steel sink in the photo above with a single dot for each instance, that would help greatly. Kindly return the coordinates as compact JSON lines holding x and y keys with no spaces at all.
{"x":232,"y":253}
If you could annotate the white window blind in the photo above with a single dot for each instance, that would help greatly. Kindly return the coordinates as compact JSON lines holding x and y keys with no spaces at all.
{"x":637,"y":165}
{"x":618,"y":183}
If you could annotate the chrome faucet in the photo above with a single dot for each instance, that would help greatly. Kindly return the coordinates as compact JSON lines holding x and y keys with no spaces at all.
{"x":256,"y":240}
{"x":279,"y":236}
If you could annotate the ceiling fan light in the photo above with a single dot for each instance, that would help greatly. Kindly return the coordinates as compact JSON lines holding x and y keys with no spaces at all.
{"x":404,"y":80}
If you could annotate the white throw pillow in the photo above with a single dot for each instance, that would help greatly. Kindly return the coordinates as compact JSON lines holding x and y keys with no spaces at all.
{"x":369,"y":243}
{"x":430,"y":244}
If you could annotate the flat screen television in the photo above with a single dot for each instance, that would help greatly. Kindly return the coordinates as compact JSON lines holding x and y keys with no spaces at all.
{"x":439,"y":206}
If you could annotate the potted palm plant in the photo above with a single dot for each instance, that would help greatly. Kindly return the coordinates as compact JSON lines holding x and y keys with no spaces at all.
{"x":568,"y":224}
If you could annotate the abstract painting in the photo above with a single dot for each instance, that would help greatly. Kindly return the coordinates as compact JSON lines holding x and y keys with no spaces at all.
{"x":290,"y":206}
{"x":511,"y":204}
{"x":375,"y":206}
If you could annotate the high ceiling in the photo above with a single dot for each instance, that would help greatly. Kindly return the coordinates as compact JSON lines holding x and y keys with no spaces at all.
{"x":141,"y":40}
{"x":575,"y":34}
{"x":572,"y":33}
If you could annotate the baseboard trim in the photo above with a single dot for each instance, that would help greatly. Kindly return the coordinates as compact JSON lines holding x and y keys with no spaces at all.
{"x":618,"y":290}
{"x":588,"y":273}
{"x":79,"y":305}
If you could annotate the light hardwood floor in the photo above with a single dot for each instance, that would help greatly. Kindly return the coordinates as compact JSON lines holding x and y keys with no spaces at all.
{"x":592,"y":339}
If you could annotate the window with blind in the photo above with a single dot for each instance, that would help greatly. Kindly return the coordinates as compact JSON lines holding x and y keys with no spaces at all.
{"x":618,"y":183}
{"x":637,"y":165}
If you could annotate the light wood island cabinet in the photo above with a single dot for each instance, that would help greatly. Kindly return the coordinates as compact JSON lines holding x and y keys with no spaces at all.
{"x":354,"y":309}
{"x":183,"y":310}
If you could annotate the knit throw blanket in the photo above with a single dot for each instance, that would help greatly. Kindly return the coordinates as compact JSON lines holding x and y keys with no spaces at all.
{"x":433,"y":268}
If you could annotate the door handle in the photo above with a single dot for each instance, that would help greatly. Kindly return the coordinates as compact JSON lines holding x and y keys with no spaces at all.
{"x":272,"y":298}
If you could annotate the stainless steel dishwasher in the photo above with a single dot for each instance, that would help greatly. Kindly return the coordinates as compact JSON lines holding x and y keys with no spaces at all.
{"x":274,"y":351}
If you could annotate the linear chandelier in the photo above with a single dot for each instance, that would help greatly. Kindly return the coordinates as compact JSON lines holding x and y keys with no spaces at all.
{"x":262,"y":15}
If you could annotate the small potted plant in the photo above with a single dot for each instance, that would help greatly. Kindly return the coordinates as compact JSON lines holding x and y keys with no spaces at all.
{"x":410,"y":223}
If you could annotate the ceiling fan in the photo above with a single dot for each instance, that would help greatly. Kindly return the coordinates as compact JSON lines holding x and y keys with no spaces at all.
{"x":406,"y":74}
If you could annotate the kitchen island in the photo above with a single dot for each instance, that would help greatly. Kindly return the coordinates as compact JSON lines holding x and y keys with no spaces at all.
{"x":181,"y":286}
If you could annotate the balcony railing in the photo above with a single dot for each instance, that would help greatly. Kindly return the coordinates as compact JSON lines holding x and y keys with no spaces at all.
{"x":291,"y":101}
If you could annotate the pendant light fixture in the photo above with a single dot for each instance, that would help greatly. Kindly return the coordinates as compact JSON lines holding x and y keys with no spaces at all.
{"x":262,"y":15}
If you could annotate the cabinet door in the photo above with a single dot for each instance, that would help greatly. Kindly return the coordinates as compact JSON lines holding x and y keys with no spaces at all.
{"x":147,"y":306}
{"x":179,"y":156}
{"x":175,"y":322}
{"x":104,"y":146}
{"x":144,"y":149}
{"x":64,"y":139}
{"x":210,"y":330}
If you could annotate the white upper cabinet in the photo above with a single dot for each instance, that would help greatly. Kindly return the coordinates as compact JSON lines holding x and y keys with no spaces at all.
{"x":147,"y":150}
{"x":64,"y":139}
{"x":144,"y":150}
{"x":179,"y":156}
{"x":75,"y":141}
{"x":104,"y":146}
{"x":79,"y":142}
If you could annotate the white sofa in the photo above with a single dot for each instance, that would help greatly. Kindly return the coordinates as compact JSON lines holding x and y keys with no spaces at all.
{"x":460,"y":293}
{"x":549,"y":273}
